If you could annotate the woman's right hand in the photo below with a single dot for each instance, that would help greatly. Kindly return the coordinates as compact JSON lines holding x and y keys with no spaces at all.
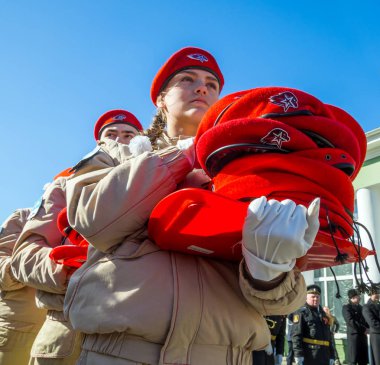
{"x":187,"y":148}
{"x":276,"y":233}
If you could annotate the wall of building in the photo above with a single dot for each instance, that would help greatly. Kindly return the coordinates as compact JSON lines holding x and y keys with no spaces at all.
{"x":367,"y":189}
{"x":367,"y":212}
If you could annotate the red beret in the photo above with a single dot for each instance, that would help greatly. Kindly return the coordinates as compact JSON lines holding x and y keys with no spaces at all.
{"x":115,"y":117}
{"x":188,"y":57}
{"x":66,"y":230}
{"x":62,"y":222}
{"x":291,"y":176}
{"x":342,"y":116}
{"x":227,"y":141}
{"x":292,"y":107}
{"x":218,"y":109}
{"x":275,"y":102}
{"x":264,"y":102}
{"x":331,"y":179}
{"x":331,"y":156}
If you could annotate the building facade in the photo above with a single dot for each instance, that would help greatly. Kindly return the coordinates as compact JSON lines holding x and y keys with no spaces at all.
{"x":367,"y":212}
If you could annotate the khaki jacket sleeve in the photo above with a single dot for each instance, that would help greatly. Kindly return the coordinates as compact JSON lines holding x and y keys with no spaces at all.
{"x":108,"y":205}
{"x":50,"y":301}
{"x":287,"y":297}
{"x":108,"y":153}
{"x":10,"y":232}
{"x":31,"y":263}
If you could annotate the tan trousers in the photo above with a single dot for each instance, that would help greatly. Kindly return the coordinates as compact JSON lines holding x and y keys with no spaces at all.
{"x":69,"y":360}
{"x":15,"y":346}
{"x":56,"y":344}
{"x":94,"y":358}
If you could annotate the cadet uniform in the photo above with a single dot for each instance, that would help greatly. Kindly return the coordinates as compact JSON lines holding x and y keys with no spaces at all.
{"x":357,"y":345}
{"x":276,"y":326}
{"x":20,"y":319}
{"x":57,"y":342}
{"x":371,"y":313}
{"x":311,"y":334}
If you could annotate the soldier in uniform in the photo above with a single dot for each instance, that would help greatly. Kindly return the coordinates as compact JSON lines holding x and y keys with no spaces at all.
{"x":311,"y":334}
{"x":290,"y":355}
{"x":357,"y":345}
{"x":276,"y":325}
{"x":371,"y":313}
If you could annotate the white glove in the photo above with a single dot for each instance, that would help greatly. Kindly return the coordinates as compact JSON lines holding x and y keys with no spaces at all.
{"x":278,"y":360}
{"x":276,"y":233}
{"x":299,"y":360}
{"x":139,"y":144}
{"x":332,"y":361}
{"x":187,"y":148}
{"x":269,"y":349}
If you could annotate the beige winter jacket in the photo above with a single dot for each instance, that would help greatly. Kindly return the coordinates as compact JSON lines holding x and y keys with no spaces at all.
{"x":32,"y":266}
{"x":31,"y":263}
{"x":18,"y":310}
{"x":137,"y":302}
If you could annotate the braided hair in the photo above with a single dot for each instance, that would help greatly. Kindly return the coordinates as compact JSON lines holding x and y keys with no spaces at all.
{"x":157,"y":127}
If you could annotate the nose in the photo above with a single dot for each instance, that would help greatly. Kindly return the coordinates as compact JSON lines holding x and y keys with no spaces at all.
{"x":201,"y":88}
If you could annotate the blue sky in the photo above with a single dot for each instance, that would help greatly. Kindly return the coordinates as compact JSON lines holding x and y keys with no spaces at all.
{"x":64,"y":63}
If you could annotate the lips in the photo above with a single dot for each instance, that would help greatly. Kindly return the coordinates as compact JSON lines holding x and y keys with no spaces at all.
{"x":202,"y":101}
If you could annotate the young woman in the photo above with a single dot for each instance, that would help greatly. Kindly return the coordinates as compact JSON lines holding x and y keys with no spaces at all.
{"x":57,"y":342}
{"x":183,"y":90}
{"x":357,"y":329}
{"x":137,"y":304}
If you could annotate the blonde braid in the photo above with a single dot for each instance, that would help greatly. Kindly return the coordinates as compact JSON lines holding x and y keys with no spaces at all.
{"x":157,"y":127}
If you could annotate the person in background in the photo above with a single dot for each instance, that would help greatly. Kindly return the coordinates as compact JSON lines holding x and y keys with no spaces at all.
{"x":278,"y":339}
{"x":118,"y":125}
{"x":187,"y":309}
{"x":371,"y":313}
{"x":334,"y":328}
{"x":57,"y":342}
{"x":311,"y":335}
{"x":357,"y":344}
{"x":276,"y":325}
{"x":290,"y":355}
{"x":20,"y":319}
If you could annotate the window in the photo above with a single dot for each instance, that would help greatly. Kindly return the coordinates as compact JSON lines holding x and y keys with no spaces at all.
{"x":335,"y":304}
{"x":325,"y":279}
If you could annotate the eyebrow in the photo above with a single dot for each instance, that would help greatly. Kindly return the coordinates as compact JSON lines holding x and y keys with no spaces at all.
{"x":113,"y":129}
{"x":211,"y":77}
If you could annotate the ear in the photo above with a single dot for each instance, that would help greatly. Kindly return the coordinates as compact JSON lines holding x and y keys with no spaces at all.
{"x":160,"y":101}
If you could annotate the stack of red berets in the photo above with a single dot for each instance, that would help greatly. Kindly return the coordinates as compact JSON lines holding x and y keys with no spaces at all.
{"x":285,"y":144}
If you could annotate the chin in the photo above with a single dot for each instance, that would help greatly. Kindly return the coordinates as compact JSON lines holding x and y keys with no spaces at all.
{"x":197,"y":115}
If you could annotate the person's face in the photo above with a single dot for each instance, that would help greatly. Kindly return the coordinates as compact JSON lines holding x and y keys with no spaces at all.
{"x":313,"y":299}
{"x":355,"y":299}
{"x":119,"y":132}
{"x":375,"y":297}
{"x":187,"y":97}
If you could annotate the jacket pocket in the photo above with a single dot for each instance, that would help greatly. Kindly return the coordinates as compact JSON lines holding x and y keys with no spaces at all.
{"x":4,"y":336}
{"x":56,"y":339}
